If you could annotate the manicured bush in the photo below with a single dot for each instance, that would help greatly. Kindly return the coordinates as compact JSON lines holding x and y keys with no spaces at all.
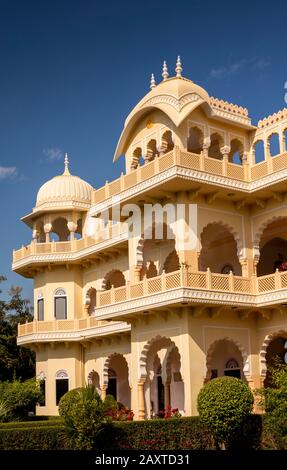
{"x":84,"y":415}
{"x":19,"y":398}
{"x":223,"y":405}
{"x":34,"y":438}
{"x":156,"y":434}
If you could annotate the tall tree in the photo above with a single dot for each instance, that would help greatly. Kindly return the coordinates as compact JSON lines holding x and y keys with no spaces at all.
{"x":15,"y":361}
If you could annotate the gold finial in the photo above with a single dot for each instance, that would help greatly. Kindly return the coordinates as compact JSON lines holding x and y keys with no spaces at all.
{"x":66,"y":161}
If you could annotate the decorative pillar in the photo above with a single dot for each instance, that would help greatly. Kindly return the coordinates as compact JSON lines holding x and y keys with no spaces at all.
{"x":72,"y":227}
{"x":282,"y":143}
{"x":206,"y":145}
{"x":141,"y":405}
{"x":47,"y":230}
{"x":35,"y":235}
{"x":225,"y":151}
{"x":167,"y":394}
{"x":137,"y":273}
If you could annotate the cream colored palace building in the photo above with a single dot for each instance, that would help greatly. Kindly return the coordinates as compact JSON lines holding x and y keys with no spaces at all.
{"x":146,"y":319}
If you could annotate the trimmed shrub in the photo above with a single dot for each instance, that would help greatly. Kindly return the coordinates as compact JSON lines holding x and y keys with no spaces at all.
{"x":19,"y":398}
{"x":223,"y":404}
{"x":34,"y":438}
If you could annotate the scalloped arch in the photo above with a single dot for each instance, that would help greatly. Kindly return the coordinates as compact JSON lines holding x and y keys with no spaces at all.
{"x":211,"y":349}
{"x":230,"y":229}
{"x":264,"y":225}
{"x":263,"y":351}
{"x":107,"y":366}
{"x":140,"y":245}
{"x":165,"y":342}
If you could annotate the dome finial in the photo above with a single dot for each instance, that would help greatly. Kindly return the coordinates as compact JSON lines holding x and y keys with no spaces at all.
{"x":66,"y":161}
{"x":178,"y":67}
{"x":152,"y":82}
{"x":164,"y":74}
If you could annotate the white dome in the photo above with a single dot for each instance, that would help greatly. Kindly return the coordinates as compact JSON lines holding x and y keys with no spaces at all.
{"x":63,"y":190}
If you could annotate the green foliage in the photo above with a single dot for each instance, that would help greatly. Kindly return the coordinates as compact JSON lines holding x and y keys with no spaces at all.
{"x":223,"y":405}
{"x":84,"y":414}
{"x":15,"y":361}
{"x":274,"y":402}
{"x":34,"y":438}
{"x":19,"y":398}
{"x":156,"y":434}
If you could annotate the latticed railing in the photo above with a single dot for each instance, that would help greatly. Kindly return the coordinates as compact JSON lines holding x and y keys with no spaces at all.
{"x":194,"y":161}
{"x":202,"y":280}
{"x":108,"y":233}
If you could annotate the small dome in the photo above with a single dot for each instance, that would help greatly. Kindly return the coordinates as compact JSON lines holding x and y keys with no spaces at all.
{"x":64,"y":190}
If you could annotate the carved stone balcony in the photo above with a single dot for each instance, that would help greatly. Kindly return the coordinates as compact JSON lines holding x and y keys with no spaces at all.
{"x":68,"y":330}
{"x":76,"y":250}
{"x":184,"y":287}
{"x":247,"y":178}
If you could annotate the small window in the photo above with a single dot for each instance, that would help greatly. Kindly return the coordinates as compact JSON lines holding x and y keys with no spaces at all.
{"x":40,"y":309}
{"x":60,"y":304}
{"x":62,"y":385}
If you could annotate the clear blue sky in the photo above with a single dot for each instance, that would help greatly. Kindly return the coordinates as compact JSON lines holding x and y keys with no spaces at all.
{"x":71,"y":70}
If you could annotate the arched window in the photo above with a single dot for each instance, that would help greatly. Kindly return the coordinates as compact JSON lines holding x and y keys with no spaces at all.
{"x":236,"y":151}
{"x":216,"y":142}
{"x":60,"y":304}
{"x":42,"y":385}
{"x":258,"y":149}
{"x":195,"y":140}
{"x":232,"y":368}
{"x":113,"y":278}
{"x":151,"y":151}
{"x":136,"y":157}
{"x":274,"y":145}
{"x":166,"y":142}
{"x":60,"y":231}
{"x":62,"y":384}
{"x":91,"y":300}
{"x":40,"y":307}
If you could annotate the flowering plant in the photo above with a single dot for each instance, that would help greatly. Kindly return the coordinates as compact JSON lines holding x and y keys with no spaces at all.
{"x":169,"y":412}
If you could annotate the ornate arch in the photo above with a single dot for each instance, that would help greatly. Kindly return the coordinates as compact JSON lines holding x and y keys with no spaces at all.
{"x":263,"y":226}
{"x":107,"y":366}
{"x":210,"y":352}
{"x":167,"y":342}
{"x":147,"y":235}
{"x":62,"y":374}
{"x":106,"y":279}
{"x":263,"y":351}
{"x":230,"y":229}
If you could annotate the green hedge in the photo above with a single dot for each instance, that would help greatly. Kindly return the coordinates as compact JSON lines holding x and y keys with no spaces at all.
{"x":158,"y":434}
{"x":37,"y":438}
{"x":30,"y":424}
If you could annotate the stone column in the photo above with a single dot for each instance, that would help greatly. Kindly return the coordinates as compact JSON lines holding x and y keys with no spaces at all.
{"x":225,"y":150}
{"x":72,"y":227}
{"x":282,"y":143}
{"x":141,"y":405}
{"x":104,"y":391}
{"x":47,"y":230}
{"x":167,"y":394}
{"x":206,"y":145}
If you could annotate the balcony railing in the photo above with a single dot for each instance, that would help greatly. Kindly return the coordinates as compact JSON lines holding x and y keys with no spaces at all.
{"x":246,"y":173}
{"x":200,"y":280}
{"x":111,"y":232}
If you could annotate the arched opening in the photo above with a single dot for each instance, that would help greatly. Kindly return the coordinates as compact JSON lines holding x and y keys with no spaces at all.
{"x":38,"y":232}
{"x":216,"y":142}
{"x":40,"y":307}
{"x":91,"y":300}
{"x":113,"y":278}
{"x":153,"y":250}
{"x":236,"y":151}
{"x":151,"y":151}
{"x":171,"y":262}
{"x":166,"y":142}
{"x":219,"y":250}
{"x":60,"y":304}
{"x":137,"y":157}
{"x":258,"y":151}
{"x":274,"y":144}
{"x":118,"y":379}
{"x":275,"y":351}
{"x":94,"y":380}
{"x":195,"y":140}
{"x":160,"y":364}
{"x":62,"y":384}
{"x":273,"y":248}
{"x":60,"y":231}
{"x":224,"y":359}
